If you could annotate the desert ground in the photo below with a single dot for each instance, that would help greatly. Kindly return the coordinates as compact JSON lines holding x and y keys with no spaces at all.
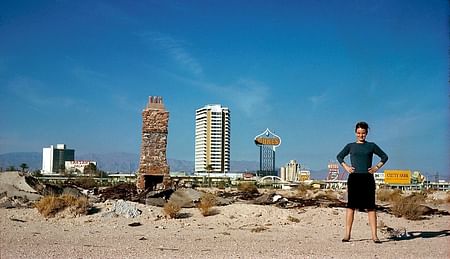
{"x":239,"y":230}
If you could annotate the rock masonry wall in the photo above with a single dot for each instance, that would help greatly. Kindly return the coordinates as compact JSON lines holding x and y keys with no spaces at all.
{"x":153,"y":161}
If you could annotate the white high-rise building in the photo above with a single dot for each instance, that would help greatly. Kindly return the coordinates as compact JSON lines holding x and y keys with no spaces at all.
{"x":212,"y":139}
{"x":53,"y":159}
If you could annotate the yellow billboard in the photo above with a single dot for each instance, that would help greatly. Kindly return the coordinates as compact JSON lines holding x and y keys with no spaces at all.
{"x":397,"y":176}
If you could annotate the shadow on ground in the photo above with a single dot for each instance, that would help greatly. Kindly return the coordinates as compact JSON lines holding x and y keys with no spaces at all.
{"x":426,"y":234}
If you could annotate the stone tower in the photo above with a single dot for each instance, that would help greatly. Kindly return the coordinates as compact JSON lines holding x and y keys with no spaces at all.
{"x":153,"y":167}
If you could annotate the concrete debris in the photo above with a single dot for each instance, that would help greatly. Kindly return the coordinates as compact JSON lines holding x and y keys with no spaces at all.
{"x":220,"y":201}
{"x":14,"y":202}
{"x":265,"y":199}
{"x":276,"y":198}
{"x":159,"y":202}
{"x":124,"y":208}
{"x":394,"y":233}
{"x":186,"y":198}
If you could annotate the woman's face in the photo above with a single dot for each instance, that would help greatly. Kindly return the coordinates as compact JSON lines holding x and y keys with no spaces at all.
{"x":361,"y":135}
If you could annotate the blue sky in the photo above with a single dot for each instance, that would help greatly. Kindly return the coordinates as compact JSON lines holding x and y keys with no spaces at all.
{"x":80,"y":73}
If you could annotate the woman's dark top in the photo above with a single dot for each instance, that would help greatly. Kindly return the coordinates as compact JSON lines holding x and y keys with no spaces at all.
{"x":361,"y":155}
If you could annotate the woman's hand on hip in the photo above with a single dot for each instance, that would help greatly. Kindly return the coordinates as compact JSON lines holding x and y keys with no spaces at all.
{"x":349,"y":169}
{"x":373,"y":169}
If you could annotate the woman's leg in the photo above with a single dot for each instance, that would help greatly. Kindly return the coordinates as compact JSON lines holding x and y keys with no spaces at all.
{"x":350,"y":214}
{"x":373,"y":223}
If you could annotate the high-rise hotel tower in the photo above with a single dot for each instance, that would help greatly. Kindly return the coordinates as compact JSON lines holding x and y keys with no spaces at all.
{"x":212,"y":139}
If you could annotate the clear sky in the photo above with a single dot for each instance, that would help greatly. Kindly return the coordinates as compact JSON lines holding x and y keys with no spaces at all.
{"x":80,"y":73}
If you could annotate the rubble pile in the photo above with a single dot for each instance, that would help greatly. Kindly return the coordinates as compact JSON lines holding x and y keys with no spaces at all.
{"x":18,"y":190}
{"x":124,"y":191}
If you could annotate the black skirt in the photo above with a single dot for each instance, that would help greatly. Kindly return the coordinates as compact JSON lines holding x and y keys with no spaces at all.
{"x":361,"y":191}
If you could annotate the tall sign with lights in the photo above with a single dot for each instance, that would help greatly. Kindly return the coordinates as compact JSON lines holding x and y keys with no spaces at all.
{"x":267,"y":142}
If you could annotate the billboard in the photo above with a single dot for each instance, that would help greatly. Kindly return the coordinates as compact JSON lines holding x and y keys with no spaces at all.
{"x":397,"y":176}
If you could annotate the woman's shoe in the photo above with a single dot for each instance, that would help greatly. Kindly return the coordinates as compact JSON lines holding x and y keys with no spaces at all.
{"x":377,"y":241}
{"x":346,"y":240}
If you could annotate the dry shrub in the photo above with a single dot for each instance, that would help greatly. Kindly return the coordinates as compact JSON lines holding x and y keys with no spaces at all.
{"x":409,"y":207}
{"x":171,"y":209}
{"x":302,"y":190}
{"x":49,"y":206}
{"x":248,"y":187}
{"x":419,"y":196}
{"x":389,"y":195}
{"x":326,"y":195}
{"x":77,"y":205}
{"x":207,"y":201}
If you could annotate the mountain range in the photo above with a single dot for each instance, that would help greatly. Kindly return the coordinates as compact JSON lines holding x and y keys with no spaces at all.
{"x":125,"y":162}
{"x":112,"y":162}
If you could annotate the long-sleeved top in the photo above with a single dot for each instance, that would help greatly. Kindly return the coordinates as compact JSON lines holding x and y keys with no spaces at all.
{"x":361,"y":155}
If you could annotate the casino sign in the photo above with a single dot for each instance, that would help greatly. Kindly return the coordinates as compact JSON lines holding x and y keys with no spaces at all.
{"x":267,"y":138}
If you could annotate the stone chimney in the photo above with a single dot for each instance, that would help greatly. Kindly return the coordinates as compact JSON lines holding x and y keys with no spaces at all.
{"x":153,"y":167}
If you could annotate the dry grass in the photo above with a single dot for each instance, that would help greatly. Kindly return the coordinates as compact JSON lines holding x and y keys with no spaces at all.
{"x":389,"y":195}
{"x":409,"y":207}
{"x":49,"y":206}
{"x":326,"y":195}
{"x":248,"y":187}
{"x":302,"y":190}
{"x":419,"y":196}
{"x":207,"y":201}
{"x":448,"y":197}
{"x":171,"y":209}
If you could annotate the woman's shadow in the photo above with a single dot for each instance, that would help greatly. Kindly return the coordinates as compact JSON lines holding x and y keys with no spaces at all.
{"x":421,"y":234}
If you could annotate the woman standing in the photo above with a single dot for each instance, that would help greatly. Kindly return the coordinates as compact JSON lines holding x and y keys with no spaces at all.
{"x":360,"y":183}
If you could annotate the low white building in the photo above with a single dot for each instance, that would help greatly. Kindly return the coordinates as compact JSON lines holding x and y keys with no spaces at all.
{"x":77,"y":166}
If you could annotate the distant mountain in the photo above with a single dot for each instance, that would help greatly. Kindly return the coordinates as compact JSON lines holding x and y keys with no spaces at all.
{"x":32,"y":159}
{"x":242,"y":166}
{"x":113,"y":162}
{"x":319,"y":174}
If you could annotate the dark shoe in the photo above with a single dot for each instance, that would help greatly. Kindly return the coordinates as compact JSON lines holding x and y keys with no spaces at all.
{"x":377,"y":241}
{"x":344,"y":240}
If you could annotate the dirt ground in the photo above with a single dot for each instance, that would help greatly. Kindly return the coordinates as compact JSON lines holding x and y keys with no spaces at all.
{"x":238,"y":230}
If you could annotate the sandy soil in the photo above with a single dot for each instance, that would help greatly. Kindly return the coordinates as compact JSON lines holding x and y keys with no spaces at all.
{"x":235,"y":231}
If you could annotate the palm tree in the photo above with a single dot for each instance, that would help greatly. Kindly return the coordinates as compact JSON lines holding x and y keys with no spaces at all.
{"x":23,"y":166}
{"x":209,"y":168}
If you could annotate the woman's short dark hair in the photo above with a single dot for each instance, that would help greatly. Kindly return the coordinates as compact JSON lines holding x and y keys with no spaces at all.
{"x":362,"y":125}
